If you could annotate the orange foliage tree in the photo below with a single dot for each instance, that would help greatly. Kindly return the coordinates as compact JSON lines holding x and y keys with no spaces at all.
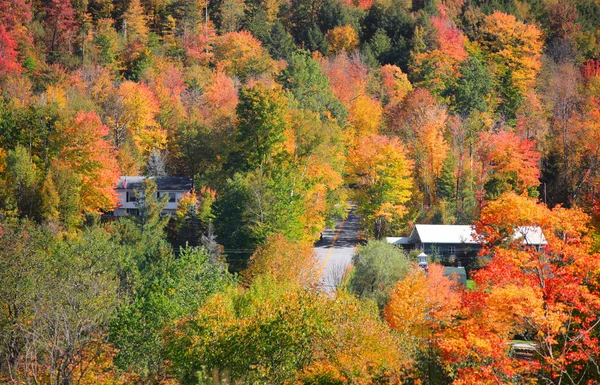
{"x":242,"y":55}
{"x":421,"y":307}
{"x":420,"y":122}
{"x":83,"y":148}
{"x":508,"y":163}
{"x":546,"y":295}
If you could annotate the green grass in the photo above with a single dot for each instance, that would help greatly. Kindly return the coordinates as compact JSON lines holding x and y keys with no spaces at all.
{"x":471,"y":284}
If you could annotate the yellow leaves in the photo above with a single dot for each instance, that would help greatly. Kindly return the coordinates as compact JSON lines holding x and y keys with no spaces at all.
{"x":365,"y":116}
{"x":57,"y":95}
{"x":285,"y":261}
{"x":140,"y":109}
{"x":241,"y":54}
{"x":343,"y":38}
{"x":514,"y":46}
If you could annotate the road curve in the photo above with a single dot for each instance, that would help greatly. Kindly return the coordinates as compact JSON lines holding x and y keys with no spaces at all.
{"x":335,"y":249}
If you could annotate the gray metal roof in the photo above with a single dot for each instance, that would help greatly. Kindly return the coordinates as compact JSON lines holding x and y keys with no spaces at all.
{"x":168,"y":183}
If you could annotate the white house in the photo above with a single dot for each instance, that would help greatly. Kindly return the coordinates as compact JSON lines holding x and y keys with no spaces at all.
{"x":459,"y":243}
{"x":173,"y":187}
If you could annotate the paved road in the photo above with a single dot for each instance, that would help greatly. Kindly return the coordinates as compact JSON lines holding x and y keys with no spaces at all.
{"x":335,"y":250}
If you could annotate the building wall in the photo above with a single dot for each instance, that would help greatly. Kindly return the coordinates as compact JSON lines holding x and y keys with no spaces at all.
{"x":123,"y":205}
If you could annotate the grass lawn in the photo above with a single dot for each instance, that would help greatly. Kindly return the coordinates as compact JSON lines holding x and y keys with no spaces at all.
{"x":471,"y":284}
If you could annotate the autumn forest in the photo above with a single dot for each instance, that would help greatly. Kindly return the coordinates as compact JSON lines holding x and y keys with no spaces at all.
{"x":286,"y":114}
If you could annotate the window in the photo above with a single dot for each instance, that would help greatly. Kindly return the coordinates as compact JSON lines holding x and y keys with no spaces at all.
{"x":451,"y":250}
{"x":133,"y":212}
{"x":172,"y":196}
{"x":130,"y":196}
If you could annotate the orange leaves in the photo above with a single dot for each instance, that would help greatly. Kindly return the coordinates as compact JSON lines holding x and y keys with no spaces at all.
{"x":395,"y":83}
{"x":342,"y":39}
{"x":511,"y":156}
{"x":542,"y":293}
{"x":420,"y":123}
{"x":84,"y":149}
{"x":221,"y":94}
{"x":423,"y":303}
{"x":348,"y":77}
{"x":451,"y":41}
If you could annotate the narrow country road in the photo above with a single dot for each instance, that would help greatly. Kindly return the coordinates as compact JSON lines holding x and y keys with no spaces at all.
{"x":336,"y":248}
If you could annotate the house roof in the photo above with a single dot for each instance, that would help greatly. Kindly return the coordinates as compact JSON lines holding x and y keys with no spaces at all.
{"x":532,"y":235}
{"x":444,"y":234}
{"x":457,"y":273}
{"x":168,"y":183}
{"x":398,"y":240}
{"x":463,"y":234}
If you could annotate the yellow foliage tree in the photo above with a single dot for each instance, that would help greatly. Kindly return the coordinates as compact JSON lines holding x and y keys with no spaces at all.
{"x":343,"y":38}
{"x":381,"y":172}
{"x":513,"y":46}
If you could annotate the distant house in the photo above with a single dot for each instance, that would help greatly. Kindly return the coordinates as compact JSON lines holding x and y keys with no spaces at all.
{"x":129,"y":187}
{"x":458,"y":243}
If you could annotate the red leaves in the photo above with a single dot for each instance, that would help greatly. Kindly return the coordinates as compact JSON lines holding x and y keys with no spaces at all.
{"x":9,"y":61}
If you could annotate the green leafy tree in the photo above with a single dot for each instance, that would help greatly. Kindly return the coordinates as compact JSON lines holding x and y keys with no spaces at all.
{"x":260,"y":132}
{"x":57,"y":298}
{"x":167,"y":289}
{"x":311,"y":88}
{"x":378,"y":265}
{"x":22,"y":182}
{"x":472,"y":88}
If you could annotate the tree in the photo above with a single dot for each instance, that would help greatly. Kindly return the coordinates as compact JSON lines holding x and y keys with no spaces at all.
{"x":135,"y":34}
{"x":513,"y":162}
{"x":9,"y":60}
{"x":22,"y":183}
{"x":378,"y":265}
{"x":514,"y":49}
{"x":284,"y":261}
{"x":67,"y":290}
{"x":139,"y":108}
{"x":167,"y":289}
{"x":379,"y":169}
{"x":342,"y":39}
{"x":60,"y":21}
{"x":471,"y":91}
{"x":261,"y":124}
{"x":82,"y":147}
{"x":311,"y":88}
{"x":420,"y":123}
{"x":421,"y":307}
{"x":156,"y":165}
{"x":546,"y":295}
{"x":242,"y":55}
{"x":395,"y":84}
{"x":282,"y":333}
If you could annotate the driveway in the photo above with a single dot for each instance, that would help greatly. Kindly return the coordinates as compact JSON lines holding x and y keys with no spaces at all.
{"x":335,"y":250}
